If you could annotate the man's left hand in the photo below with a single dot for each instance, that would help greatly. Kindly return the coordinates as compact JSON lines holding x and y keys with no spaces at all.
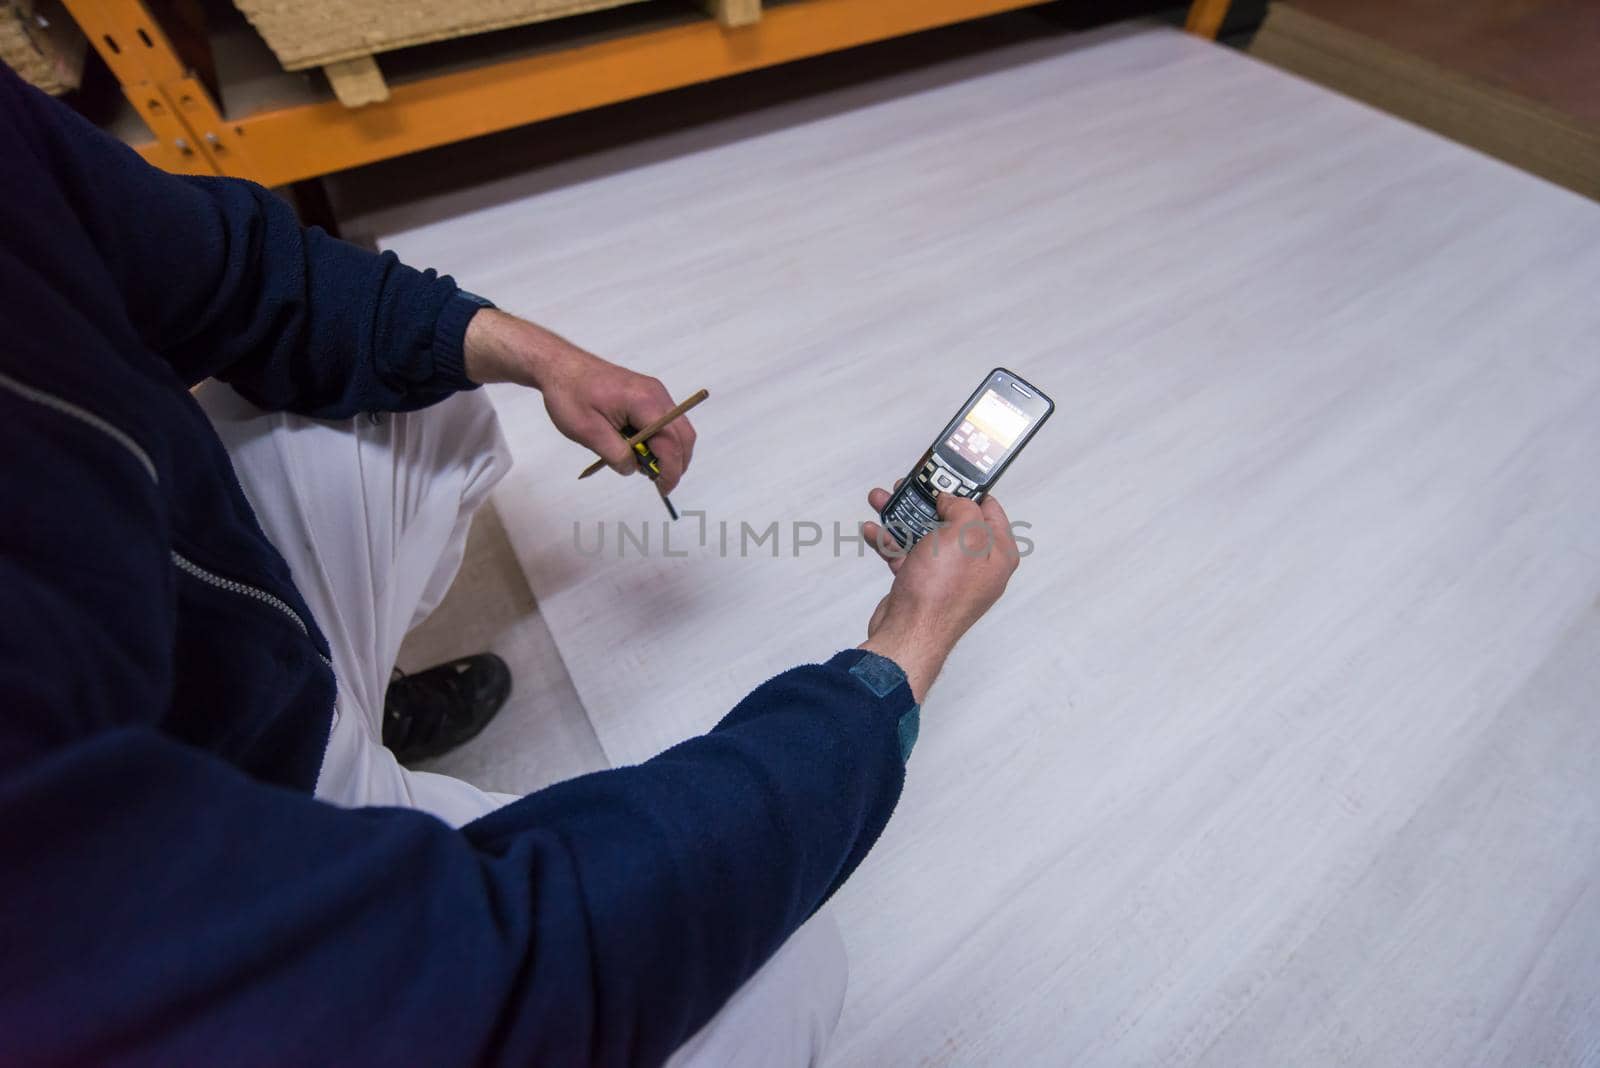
{"x":589,"y":399}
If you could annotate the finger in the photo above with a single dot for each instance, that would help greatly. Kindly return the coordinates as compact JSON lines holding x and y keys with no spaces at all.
{"x":673,"y":445}
{"x":686,"y":431}
{"x":648,"y":400}
{"x":961,"y":515}
{"x":603,"y":438}
{"x":878,"y":499}
{"x":670,"y":455}
{"x":953,"y":509}
{"x":944,"y":505}
{"x":644,"y":400}
{"x":1000,"y":523}
{"x":884,"y":544}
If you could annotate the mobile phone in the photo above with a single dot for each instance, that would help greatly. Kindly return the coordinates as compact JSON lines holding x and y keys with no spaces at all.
{"x":970,"y":454}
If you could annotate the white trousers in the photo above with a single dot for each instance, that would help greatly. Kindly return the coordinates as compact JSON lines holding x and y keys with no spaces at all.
{"x":372,"y":518}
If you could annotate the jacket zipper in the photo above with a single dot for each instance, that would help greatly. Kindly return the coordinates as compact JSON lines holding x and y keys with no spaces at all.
{"x":183,"y":563}
{"x":243,"y":589}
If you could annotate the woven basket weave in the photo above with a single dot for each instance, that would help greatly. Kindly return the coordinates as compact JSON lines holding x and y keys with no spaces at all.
{"x":310,"y":33}
{"x":41,"y":43}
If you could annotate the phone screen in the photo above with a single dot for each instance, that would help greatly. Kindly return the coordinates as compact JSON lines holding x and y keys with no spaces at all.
{"x":988,"y":430}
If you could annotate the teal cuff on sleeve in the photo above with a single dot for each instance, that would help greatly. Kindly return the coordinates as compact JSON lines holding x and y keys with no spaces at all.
{"x":883,"y":676}
{"x":910,"y":724}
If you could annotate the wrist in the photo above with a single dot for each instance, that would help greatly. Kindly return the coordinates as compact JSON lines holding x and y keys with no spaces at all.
{"x":502,"y":348}
{"x":920,"y":656}
{"x":483,"y":349}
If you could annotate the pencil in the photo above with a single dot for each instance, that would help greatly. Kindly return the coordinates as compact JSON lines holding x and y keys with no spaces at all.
{"x":653,"y":429}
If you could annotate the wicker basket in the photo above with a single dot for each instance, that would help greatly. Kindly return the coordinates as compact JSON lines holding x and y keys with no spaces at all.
{"x":312,"y":33}
{"x":40,"y":42}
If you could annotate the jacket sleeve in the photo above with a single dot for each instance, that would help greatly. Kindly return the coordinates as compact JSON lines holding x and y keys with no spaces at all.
{"x":218,"y":276}
{"x":163,"y":908}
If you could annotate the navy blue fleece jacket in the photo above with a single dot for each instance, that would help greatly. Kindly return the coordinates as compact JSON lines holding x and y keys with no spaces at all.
{"x":172,"y":894}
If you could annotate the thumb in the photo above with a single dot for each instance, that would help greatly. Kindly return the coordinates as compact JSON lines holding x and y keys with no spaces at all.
{"x":948,"y":506}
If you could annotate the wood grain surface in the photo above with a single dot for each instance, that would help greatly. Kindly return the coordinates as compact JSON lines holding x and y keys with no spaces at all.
{"x":1284,"y":746}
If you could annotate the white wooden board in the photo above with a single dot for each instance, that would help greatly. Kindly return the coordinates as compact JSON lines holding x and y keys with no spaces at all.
{"x":1284,"y":747}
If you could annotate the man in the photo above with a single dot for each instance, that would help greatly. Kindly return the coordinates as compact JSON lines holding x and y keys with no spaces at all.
{"x":210,"y":856}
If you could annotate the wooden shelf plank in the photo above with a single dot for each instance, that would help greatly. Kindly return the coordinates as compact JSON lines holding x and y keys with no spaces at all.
{"x":290,"y":144}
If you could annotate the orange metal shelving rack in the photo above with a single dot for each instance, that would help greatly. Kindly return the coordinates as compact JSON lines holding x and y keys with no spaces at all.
{"x":277,"y":146}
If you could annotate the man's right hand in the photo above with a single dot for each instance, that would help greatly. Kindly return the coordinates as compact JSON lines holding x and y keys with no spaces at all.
{"x":589,"y":399}
{"x":941,"y":587}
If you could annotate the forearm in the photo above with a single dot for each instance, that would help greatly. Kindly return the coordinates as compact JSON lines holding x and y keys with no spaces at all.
{"x":342,"y":330}
{"x":601,"y":921}
{"x":697,"y":864}
{"x":499,"y":347}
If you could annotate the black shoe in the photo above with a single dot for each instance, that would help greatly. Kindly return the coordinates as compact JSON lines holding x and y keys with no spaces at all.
{"x":434,"y":711}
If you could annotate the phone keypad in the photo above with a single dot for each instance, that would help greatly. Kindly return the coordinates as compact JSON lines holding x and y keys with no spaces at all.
{"x":912,"y":514}
{"x":910,"y":517}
